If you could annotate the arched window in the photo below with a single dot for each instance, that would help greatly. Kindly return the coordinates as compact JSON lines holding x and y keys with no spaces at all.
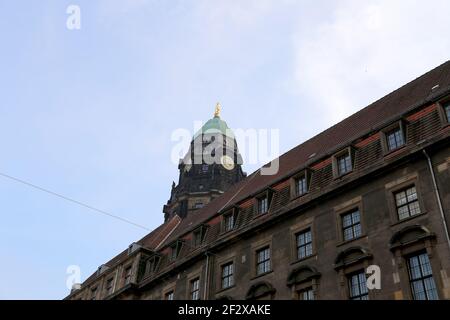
{"x":351,"y":264}
{"x":412,"y":247}
{"x":261,"y":291}
{"x":303,"y":282}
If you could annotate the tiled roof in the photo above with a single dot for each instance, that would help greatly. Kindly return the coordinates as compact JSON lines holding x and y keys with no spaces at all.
{"x":377,"y":114}
{"x":151,"y":241}
{"x":345,"y":132}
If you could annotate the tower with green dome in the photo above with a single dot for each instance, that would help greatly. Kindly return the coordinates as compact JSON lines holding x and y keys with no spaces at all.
{"x":211,"y":166}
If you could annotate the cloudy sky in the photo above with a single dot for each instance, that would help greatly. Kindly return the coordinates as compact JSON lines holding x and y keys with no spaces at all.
{"x":89,"y":113}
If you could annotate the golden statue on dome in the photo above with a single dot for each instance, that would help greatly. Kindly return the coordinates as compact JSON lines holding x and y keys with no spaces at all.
{"x":217,"y":111}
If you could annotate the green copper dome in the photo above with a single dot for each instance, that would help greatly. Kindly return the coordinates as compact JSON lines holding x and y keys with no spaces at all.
{"x":213,"y":126}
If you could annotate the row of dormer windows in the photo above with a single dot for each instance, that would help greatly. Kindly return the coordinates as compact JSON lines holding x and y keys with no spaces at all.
{"x":406,"y":203}
{"x":394,"y":138}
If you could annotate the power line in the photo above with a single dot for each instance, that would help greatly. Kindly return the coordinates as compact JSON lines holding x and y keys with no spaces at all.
{"x":73,"y":201}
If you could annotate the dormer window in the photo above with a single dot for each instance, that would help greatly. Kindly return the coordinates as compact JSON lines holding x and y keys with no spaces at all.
{"x":228,"y":221}
{"x":263,"y":204}
{"x":299,"y":183}
{"x":175,"y":250}
{"x":447,"y":111}
{"x":152,"y":264}
{"x":343,"y":162}
{"x":393,"y":137}
{"x":198,"y":236}
{"x":301,"y":187}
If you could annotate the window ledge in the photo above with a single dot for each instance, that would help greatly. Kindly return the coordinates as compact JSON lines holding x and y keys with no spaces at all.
{"x":314,"y":255}
{"x":342,"y":243}
{"x":388,"y":153}
{"x":261,"y":275}
{"x":221,"y":290}
{"x":341,"y":176}
{"x":260,"y":215}
{"x":408,"y":219}
{"x":299,"y":196}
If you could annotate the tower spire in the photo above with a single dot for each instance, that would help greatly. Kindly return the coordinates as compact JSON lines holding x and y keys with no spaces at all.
{"x":217,"y":110}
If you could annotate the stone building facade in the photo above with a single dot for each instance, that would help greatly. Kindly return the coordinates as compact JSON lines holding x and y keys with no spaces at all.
{"x":373,"y":190}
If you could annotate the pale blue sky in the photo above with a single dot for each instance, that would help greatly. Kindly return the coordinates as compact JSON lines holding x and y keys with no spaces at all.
{"x":89,"y":113}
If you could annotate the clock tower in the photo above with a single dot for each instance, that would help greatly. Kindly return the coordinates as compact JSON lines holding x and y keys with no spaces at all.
{"x":211,"y":166}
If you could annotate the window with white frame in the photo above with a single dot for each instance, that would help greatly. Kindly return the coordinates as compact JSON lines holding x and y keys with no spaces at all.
{"x":421,"y":278}
{"x":301,"y":186}
{"x":195,"y":289}
{"x":228,"y":222}
{"x":351,"y":225}
{"x":306,"y":294}
{"x":407,"y":203}
{"x":395,"y":138}
{"x":344,"y":163}
{"x":263,"y":261}
{"x":357,"y":285}
{"x":169,"y":295}
{"x":263,"y":205}
{"x":227,"y":275}
{"x":304,"y":244}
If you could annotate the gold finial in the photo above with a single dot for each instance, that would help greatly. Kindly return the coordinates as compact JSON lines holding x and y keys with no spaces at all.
{"x":217,"y":111}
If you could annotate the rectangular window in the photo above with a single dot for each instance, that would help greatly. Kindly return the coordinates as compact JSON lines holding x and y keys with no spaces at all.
{"x":109,"y":286}
{"x":357,"y":284}
{"x":304,"y":244}
{"x":306,"y":294}
{"x":169,"y":295}
{"x":198,"y":238}
{"x":263,"y":205}
{"x":228,"y":222}
{"x":421,"y":278}
{"x":344,"y":164}
{"x":127,"y":276}
{"x":174,"y":251}
{"x":447,"y":111}
{"x":394,"y":139}
{"x":351,"y":225}
{"x":150,"y":266}
{"x":301,"y":186}
{"x":263,"y":261}
{"x":195,"y":289}
{"x":227,"y":275}
{"x":407,"y":203}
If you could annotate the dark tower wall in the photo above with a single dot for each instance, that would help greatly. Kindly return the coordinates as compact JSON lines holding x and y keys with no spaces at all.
{"x":204,"y":172}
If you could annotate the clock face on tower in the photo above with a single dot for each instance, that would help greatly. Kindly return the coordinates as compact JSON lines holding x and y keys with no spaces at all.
{"x":227,"y":162}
